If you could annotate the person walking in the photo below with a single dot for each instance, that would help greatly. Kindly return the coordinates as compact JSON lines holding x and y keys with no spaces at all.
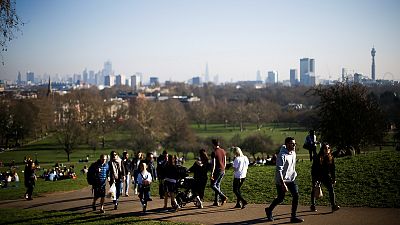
{"x":144,"y":180}
{"x":101,"y":173}
{"x":135,"y":167}
{"x":170,"y":187}
{"x":200,"y":169}
{"x":117,"y":175}
{"x":311,"y":144}
{"x":285,"y":177}
{"x":240,"y":166}
{"x":126,"y":166}
{"x":29,"y":178}
{"x":162,"y":161}
{"x":323,"y":172}
{"x":218,"y":172}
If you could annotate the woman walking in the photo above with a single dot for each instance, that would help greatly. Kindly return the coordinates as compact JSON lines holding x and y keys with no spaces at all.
{"x":171,"y":177}
{"x":30,"y":179}
{"x":144,"y":180}
{"x":240,"y":165}
{"x":323,"y":171}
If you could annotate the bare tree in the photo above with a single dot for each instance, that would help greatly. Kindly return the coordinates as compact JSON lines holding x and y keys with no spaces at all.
{"x":69,"y":129}
{"x":9,"y":23}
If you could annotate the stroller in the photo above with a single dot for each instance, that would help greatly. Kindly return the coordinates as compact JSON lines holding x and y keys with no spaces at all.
{"x":185,"y":189}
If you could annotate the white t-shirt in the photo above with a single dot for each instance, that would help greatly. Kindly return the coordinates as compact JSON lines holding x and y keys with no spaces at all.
{"x":240,"y":164}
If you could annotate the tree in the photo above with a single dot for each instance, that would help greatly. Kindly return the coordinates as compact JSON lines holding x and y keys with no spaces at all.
{"x":349,"y":116}
{"x":145,"y":124}
{"x":69,"y":130}
{"x":9,"y":22}
{"x":258,"y":143}
{"x":176,"y":127}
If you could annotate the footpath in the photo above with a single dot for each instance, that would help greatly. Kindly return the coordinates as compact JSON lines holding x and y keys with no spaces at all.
{"x":80,"y":201}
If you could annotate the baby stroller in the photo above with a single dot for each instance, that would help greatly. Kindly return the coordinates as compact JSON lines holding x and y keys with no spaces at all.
{"x":185,"y":189}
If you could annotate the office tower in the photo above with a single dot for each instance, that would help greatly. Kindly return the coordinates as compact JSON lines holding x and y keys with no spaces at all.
{"x":154,"y":81}
{"x":91,"y":79}
{"x":206,"y":75}
{"x":196,"y":81}
{"x":85,"y":76}
{"x":373,"y":63}
{"x":107,"y":71}
{"x":135,"y":81}
{"x":30,"y":77}
{"x":293,"y":77}
{"x":272,"y":77}
{"x":258,"y":76}
{"x":307,"y":72}
{"x":119,"y":80}
{"x":109,"y":81}
{"x":19,"y":78}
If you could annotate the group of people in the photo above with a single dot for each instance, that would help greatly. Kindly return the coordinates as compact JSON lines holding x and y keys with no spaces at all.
{"x":322,"y":172}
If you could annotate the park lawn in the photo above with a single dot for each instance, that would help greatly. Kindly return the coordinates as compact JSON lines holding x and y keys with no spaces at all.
{"x":368,"y":180}
{"x":363,"y":180}
{"x":20,"y":217}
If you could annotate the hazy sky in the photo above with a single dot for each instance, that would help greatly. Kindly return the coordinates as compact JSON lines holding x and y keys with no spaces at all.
{"x":175,"y":39}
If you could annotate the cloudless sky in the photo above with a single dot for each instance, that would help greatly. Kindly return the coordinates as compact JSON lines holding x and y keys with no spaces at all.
{"x":174,"y":39}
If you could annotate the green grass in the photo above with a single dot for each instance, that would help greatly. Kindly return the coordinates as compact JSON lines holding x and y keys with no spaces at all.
{"x":364,"y":180}
{"x":369,"y":180}
{"x":18,"y":216}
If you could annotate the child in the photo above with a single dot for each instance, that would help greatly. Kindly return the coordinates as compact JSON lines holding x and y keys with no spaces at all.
{"x":144,"y":180}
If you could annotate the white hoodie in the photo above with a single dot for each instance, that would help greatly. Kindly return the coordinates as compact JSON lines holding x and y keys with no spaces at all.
{"x":285,"y":166}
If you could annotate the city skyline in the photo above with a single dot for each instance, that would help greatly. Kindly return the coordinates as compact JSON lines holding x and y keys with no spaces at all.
{"x":178,"y":40}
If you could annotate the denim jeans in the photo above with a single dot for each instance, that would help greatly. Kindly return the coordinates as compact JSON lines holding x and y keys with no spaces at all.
{"x":144,"y":194}
{"x":125,"y":188}
{"x":237,"y":184}
{"x":294,"y":190}
{"x":118,"y":186}
{"x":216,"y":185}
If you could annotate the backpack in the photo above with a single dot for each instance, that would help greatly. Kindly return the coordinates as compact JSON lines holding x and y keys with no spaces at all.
{"x":91,"y":174}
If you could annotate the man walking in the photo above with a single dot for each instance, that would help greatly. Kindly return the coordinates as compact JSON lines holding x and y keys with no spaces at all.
{"x":117,"y":175}
{"x":101,"y":171}
{"x":285,"y":179}
{"x":126,"y":166}
{"x":218,"y":172}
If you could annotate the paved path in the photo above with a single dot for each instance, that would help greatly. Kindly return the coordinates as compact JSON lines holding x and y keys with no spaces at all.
{"x":80,"y":201}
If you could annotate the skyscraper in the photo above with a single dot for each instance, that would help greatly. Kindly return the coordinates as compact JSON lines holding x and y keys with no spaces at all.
{"x":258,"y":76}
{"x":373,"y":63}
{"x":135,"y":81}
{"x":293,"y":77}
{"x":30,"y":77}
{"x":307,"y":72}
{"x":272,"y":77}
{"x":206,"y":75}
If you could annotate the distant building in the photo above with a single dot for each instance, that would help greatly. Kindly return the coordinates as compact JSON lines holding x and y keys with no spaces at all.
{"x":30,"y":77}
{"x":272,"y":77}
{"x":135,"y":82}
{"x":109,"y":81}
{"x":307,"y":72}
{"x":196,"y":81}
{"x":119,"y":80}
{"x":154,"y":81}
{"x":373,"y":63}
{"x":293,"y":77}
{"x":258,"y":76}
{"x":85,"y":76}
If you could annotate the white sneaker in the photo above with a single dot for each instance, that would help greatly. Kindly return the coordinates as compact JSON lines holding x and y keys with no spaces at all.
{"x":135,"y":191}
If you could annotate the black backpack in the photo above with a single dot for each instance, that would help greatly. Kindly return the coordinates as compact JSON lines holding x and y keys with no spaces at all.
{"x":91,"y":174}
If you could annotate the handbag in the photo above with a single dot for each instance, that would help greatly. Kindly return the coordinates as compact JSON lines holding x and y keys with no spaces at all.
{"x":112,"y":192}
{"x":317,"y":191}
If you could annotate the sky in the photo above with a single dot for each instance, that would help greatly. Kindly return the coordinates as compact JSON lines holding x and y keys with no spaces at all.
{"x":175,"y":39}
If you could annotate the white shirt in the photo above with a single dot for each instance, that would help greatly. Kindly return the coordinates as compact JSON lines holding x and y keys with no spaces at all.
{"x":240,"y":164}
{"x":285,"y":166}
{"x":144,"y":176}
